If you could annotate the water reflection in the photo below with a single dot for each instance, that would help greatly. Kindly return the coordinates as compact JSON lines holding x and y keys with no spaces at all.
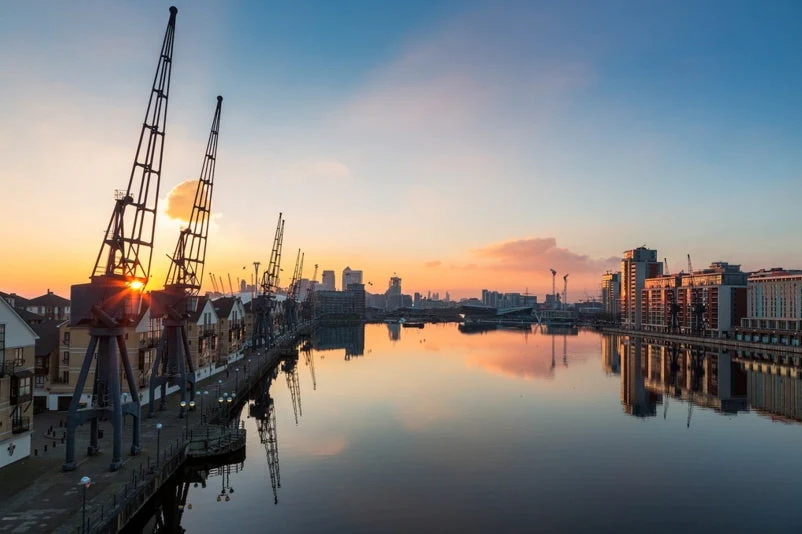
{"x":348,"y":337}
{"x":708,"y":376}
{"x":391,"y":444}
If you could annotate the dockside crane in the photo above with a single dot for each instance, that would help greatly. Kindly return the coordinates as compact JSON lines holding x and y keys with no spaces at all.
{"x":554,"y":287}
{"x":673,"y":307}
{"x":565,"y":292}
{"x":178,"y":300}
{"x":291,"y":302}
{"x":263,"y":304}
{"x":696,"y":303}
{"x":113,"y":298}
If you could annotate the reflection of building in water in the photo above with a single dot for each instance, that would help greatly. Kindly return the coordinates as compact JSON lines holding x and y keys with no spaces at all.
{"x":611,"y":360}
{"x":635,"y":398}
{"x":394,"y":331}
{"x":350,"y":337}
{"x":773,"y":387}
{"x":703,"y":376}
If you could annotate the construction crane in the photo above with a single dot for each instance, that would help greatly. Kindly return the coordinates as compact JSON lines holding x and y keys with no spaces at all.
{"x":554,"y":287}
{"x":565,"y":292}
{"x":673,"y":307}
{"x":696,"y":303}
{"x":214,"y":283}
{"x":112,"y":299}
{"x":175,"y":304}
{"x":263,"y":303}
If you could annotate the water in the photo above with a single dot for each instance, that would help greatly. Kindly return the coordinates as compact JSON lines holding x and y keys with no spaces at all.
{"x":438,"y":431}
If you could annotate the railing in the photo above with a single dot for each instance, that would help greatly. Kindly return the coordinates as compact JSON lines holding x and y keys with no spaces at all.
{"x":20,"y":425}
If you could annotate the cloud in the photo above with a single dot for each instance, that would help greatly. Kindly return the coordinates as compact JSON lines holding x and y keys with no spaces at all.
{"x":540,"y":253}
{"x":180,"y":200}
{"x":432,"y":264}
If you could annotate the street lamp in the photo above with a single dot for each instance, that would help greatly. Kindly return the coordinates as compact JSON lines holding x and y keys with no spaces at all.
{"x":85,"y":482}
{"x":191,"y":407}
{"x":158,"y":439}
{"x":236,"y":382}
{"x":220,"y":404}
{"x":219,"y":383}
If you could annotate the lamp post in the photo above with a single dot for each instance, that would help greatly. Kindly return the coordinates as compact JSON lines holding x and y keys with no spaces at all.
{"x":85,"y":482}
{"x":191,"y":408}
{"x":236,"y":379}
{"x":158,"y":439}
{"x":229,"y":400}
{"x":220,"y":401}
{"x":219,"y":384}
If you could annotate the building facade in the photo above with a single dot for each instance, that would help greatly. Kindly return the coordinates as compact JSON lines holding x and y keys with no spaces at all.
{"x":17,"y":361}
{"x":611,"y":293}
{"x":327,"y":281}
{"x":350,"y":276}
{"x":638,"y":265}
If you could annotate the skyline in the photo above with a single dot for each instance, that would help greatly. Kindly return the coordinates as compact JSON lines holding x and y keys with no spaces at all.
{"x":463,"y":145}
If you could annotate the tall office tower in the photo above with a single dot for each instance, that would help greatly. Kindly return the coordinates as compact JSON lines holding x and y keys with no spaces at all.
{"x":327,"y":281}
{"x":351,"y":277}
{"x":638,"y":265}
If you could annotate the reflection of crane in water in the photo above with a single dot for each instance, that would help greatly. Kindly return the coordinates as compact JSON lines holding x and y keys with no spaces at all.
{"x":697,"y":359}
{"x":290,"y":368}
{"x":264,"y":411}
{"x":310,"y":361}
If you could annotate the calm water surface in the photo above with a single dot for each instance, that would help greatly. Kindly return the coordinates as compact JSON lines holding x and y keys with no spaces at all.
{"x":436,"y":430}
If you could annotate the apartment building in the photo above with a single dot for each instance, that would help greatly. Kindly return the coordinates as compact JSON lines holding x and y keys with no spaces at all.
{"x":17,"y":360}
{"x":638,"y":265}
{"x":773,"y":307}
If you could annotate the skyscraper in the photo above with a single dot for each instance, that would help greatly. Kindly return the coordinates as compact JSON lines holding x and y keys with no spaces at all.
{"x":327,"y":281}
{"x":638,"y":265}
{"x":351,"y":277}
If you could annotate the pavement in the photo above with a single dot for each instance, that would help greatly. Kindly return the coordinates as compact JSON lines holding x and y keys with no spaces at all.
{"x":37,"y":496}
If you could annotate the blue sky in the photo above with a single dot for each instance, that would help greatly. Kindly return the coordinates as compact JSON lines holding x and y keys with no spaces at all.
{"x":420,"y":137}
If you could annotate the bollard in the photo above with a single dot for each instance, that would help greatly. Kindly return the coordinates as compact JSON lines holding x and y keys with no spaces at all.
{"x":36,"y":452}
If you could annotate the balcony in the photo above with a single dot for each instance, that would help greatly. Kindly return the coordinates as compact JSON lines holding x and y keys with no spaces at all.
{"x":20,"y":425}
{"x":9,"y":367}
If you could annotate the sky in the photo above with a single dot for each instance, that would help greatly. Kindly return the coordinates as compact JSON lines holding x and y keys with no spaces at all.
{"x":460,"y":144}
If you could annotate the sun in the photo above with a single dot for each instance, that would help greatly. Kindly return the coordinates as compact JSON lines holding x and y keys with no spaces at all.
{"x":136,"y":285}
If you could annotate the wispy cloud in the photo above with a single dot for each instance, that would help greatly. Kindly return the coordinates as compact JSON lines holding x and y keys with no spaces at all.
{"x":432,"y":264}
{"x":540,"y":253}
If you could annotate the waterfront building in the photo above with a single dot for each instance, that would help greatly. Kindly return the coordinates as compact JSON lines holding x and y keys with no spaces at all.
{"x":709,"y":302}
{"x":774,"y":301}
{"x":611,"y":293}
{"x":638,"y":265}
{"x":351,"y":276}
{"x":341,"y":305}
{"x":17,"y":360}
{"x":203,"y":334}
{"x":327,"y":281}
{"x":230,"y":325}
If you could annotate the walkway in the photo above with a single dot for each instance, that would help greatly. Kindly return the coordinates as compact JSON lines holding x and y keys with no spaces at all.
{"x":37,"y":496}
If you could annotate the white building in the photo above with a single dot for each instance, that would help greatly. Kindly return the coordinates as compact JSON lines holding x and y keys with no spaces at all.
{"x":774,"y":300}
{"x":17,"y":354}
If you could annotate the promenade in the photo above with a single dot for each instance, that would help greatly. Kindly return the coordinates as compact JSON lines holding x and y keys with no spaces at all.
{"x":37,"y":496}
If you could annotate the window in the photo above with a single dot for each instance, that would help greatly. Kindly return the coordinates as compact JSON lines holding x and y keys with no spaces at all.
{"x":65,"y":358}
{"x":65,"y":377}
{"x":66,"y":338}
{"x":40,"y":381}
{"x":25,"y":387}
{"x":19,"y":357}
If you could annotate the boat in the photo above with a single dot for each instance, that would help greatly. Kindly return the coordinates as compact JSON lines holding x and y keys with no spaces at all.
{"x":412,"y":324}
